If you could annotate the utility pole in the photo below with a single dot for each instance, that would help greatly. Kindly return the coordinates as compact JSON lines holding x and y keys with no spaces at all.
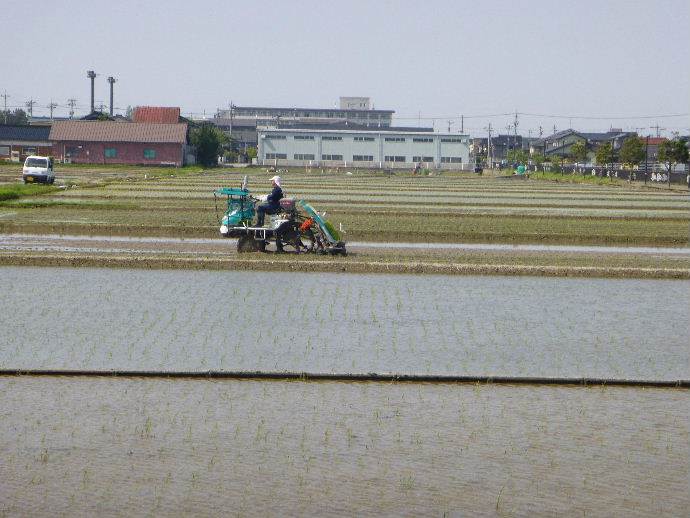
{"x":51,"y":107}
{"x":488,"y":149}
{"x":112,"y":81}
{"x":658,"y":130}
{"x":91,"y":75}
{"x":646,"y":155}
{"x":462,"y":124}
{"x":541,"y":131}
{"x":30,"y":106}
{"x":5,"y":96}
{"x":515,"y":126}
{"x":554,"y":129}
{"x":71,"y":103}
{"x":449,"y":125}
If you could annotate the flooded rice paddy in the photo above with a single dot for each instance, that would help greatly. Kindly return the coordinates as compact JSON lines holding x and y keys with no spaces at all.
{"x":254,"y":448}
{"x":195,"y":321}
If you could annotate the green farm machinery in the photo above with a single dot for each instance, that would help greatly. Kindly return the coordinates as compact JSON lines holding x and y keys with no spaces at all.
{"x":296,"y":228}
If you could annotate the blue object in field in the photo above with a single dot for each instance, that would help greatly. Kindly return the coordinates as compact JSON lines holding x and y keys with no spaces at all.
{"x":240,"y":207}
{"x":521,"y":169}
{"x":319,"y":220}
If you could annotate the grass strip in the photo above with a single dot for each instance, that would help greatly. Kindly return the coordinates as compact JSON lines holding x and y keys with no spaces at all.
{"x":18,"y":190}
{"x":335,"y":265}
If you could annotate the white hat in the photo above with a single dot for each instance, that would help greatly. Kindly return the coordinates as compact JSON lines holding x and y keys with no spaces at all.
{"x":276,"y":179}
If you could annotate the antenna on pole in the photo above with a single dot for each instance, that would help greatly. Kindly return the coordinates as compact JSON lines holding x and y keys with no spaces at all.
{"x":91,"y":75}
{"x":112,"y":81}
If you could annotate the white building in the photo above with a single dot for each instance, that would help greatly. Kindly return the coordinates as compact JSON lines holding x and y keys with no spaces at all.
{"x":363,"y":148}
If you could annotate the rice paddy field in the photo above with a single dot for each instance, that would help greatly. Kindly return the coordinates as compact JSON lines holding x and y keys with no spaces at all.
{"x":371,"y":206}
{"x":198,"y":321}
{"x":184,"y":381}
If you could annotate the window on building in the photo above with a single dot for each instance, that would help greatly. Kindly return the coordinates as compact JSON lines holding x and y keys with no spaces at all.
{"x":275,"y":137}
{"x":364,"y":139}
{"x":29,"y":150}
{"x":451,"y":160}
{"x":362,"y":158}
{"x":274,"y":156}
{"x":331,"y":157}
{"x":395,"y":139}
{"x":330,"y":137}
{"x":422,"y":158}
{"x":304,"y":137}
{"x":110,"y":152}
{"x":451,"y":139}
{"x":390,"y":158}
{"x":149,"y":153}
{"x":303,"y":156}
{"x":5,"y":150}
{"x":422,"y":139}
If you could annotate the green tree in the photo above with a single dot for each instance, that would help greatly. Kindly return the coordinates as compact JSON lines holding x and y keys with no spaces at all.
{"x":578,"y":151}
{"x":16,"y":118}
{"x":632,"y":151}
{"x":538,"y":159}
{"x":251,"y":153}
{"x":672,"y":152}
{"x":209,"y":142}
{"x":517,"y":155}
{"x":604,"y":154}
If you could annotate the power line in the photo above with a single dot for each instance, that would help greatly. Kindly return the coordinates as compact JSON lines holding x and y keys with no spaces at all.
{"x":552,"y":116}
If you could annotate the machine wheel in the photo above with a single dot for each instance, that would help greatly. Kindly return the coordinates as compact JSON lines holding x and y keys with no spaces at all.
{"x":249,"y":244}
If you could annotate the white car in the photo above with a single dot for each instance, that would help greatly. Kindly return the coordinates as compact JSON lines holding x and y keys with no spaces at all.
{"x":38,"y":169}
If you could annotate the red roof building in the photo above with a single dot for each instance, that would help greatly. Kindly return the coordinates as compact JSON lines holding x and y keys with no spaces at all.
{"x":156,"y":114}
{"x":108,"y":142}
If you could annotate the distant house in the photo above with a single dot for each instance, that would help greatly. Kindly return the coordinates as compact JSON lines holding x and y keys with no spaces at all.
{"x":500,"y":146}
{"x":652,"y":147}
{"x":560,"y":144}
{"x":156,"y":114}
{"x":108,"y":142}
{"x":18,"y":142}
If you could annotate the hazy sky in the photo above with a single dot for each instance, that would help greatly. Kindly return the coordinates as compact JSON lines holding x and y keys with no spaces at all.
{"x":592,"y":58}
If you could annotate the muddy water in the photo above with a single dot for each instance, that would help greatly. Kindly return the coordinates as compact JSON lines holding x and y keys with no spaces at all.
{"x":170,"y":447}
{"x":102,"y":319}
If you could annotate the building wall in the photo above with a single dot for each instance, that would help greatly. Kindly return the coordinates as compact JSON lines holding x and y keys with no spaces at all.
{"x":362,"y":149}
{"x":125,"y":153}
{"x":24,"y":149}
{"x":269,"y":116}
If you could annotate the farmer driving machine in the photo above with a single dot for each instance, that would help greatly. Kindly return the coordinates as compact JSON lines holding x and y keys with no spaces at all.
{"x":297,"y":227}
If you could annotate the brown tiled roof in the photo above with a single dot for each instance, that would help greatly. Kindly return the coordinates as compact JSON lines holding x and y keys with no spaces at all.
{"x":157,"y":114}
{"x":108,"y":131}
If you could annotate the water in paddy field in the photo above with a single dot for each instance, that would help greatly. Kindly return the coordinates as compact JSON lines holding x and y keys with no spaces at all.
{"x":128,"y":446}
{"x":164,"y":320}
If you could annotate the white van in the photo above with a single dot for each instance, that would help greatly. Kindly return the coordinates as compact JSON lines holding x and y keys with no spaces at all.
{"x":38,"y":169}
